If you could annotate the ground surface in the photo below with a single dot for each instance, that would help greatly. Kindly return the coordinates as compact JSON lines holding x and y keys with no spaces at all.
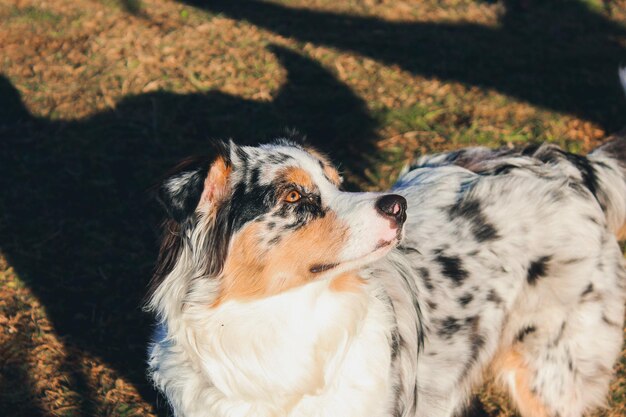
{"x":99,"y":97}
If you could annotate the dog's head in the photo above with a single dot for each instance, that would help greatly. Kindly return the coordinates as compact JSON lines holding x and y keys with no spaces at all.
{"x":265,"y":219}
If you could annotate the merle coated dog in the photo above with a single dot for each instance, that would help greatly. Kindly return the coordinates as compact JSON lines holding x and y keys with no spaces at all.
{"x":278,"y":294}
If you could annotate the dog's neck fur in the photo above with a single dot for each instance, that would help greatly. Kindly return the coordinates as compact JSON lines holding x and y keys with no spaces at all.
{"x":289,"y":354}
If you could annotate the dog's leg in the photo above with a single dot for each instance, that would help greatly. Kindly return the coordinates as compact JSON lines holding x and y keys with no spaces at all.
{"x":557,"y":382}
{"x":562,"y":364}
{"x":514,"y":374}
{"x":449,"y":373}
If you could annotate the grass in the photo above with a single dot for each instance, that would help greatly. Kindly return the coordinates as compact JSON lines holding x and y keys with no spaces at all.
{"x":98,"y":98}
{"x":34,"y":15}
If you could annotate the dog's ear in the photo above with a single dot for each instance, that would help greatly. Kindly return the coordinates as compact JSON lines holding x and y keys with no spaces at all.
{"x":216,"y":185}
{"x":196,"y":184}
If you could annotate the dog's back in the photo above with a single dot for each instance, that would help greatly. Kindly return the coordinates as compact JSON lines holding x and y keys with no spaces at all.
{"x":519,"y":270}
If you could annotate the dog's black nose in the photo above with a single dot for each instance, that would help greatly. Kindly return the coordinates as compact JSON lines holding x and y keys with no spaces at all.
{"x":392,"y":206}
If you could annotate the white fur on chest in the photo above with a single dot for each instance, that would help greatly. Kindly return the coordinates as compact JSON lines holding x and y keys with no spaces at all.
{"x":307,"y":352}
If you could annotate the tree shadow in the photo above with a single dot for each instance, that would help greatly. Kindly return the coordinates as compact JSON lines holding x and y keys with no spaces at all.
{"x":26,"y":355}
{"x":75,"y":219}
{"x":17,"y":397}
{"x":555,"y":54}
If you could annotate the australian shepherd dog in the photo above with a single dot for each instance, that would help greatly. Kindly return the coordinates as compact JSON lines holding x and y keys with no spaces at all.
{"x":278,"y":294}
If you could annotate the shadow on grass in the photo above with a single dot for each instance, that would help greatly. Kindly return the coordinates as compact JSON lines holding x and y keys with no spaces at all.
{"x":17,"y":397}
{"x":31,"y":352}
{"x":75,"y":219}
{"x":556,"y":54}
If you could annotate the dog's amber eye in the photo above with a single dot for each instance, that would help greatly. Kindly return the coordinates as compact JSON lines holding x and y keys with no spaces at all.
{"x":293,"y":196}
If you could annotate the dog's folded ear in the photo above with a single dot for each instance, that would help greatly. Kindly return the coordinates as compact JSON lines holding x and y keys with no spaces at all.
{"x":180,"y":192}
{"x":196,"y":184}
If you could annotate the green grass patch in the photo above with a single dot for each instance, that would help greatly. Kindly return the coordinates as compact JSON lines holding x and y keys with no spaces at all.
{"x":459,"y":128}
{"x":34,"y":15}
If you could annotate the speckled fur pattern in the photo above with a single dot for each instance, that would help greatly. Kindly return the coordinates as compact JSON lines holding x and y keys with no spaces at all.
{"x":517,"y":267}
{"x":508,"y":263}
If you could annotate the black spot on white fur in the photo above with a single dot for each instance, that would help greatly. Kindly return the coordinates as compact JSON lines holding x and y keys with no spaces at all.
{"x":537,"y":269}
{"x":448,"y":327}
{"x":588,"y":290}
{"x":465,"y":299}
{"x":494,"y":297}
{"x":587,"y":171}
{"x":470,"y":210}
{"x":559,"y":335}
{"x":476,"y":342}
{"x":609,"y":322}
{"x":424,"y":273}
{"x":521,"y":335}
{"x":452,"y":267}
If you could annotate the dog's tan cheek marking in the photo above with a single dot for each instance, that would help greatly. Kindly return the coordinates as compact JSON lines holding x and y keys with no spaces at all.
{"x":511,"y":362}
{"x":252,"y":271}
{"x":316,"y":243}
{"x":243,"y":269}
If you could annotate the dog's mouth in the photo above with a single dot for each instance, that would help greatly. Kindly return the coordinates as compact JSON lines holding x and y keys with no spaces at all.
{"x":317,"y":268}
{"x":381,"y":248}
